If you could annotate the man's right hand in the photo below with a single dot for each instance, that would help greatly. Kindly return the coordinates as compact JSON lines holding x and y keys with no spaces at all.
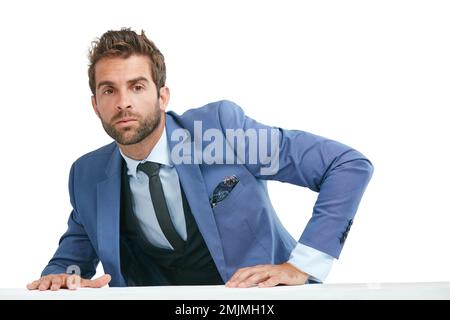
{"x":67,"y":281}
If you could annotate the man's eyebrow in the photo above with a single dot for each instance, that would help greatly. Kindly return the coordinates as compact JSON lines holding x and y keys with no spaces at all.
{"x":105,"y":83}
{"x":110,"y":83}
{"x":137,"y":80}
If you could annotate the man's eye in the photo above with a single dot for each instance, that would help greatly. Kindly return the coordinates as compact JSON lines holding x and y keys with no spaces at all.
{"x":108,"y":91}
{"x":138,"y":88}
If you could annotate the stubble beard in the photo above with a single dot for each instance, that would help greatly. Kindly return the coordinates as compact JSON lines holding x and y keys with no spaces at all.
{"x":131,"y":135}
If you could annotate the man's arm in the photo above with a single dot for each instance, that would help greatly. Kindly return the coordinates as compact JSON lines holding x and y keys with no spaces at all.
{"x":339,"y":173}
{"x":75,"y":252}
{"x":74,"y":249}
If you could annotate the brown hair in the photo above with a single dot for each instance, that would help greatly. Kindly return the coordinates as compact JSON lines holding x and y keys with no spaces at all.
{"x":124,"y":43}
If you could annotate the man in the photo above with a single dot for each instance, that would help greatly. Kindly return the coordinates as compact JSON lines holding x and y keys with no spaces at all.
{"x":182,"y":199}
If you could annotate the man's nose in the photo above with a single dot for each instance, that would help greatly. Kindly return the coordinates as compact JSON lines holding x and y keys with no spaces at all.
{"x":123,"y":101}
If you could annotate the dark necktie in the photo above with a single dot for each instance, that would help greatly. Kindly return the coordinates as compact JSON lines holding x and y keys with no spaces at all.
{"x":151,"y":169}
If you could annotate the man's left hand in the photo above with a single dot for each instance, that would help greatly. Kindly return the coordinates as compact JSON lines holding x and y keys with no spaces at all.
{"x":267,"y":275}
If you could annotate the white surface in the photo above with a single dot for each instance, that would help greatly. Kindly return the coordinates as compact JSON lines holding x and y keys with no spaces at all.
{"x":372,"y":74}
{"x":386,"y":291}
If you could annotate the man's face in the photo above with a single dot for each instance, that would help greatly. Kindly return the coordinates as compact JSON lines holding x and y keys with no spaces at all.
{"x":126,"y":99}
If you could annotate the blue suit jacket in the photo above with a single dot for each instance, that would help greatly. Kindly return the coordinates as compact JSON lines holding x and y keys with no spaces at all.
{"x":242,"y":230}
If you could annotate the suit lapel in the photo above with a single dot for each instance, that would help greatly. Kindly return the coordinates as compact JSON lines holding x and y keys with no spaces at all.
{"x":108,"y":218}
{"x":193,"y":184}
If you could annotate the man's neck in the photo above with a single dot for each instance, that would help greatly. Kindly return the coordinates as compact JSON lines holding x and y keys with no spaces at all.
{"x":141,"y":150}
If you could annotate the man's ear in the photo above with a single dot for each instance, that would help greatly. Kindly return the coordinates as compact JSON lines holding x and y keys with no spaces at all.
{"x":164,"y":97}
{"x":94,"y":105}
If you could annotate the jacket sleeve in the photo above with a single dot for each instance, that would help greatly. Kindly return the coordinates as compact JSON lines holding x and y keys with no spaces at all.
{"x":339,"y":173}
{"x":75,"y":249}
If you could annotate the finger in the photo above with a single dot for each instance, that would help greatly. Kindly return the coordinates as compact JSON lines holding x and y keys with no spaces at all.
{"x":243,"y":274}
{"x":33,"y":285}
{"x":56,"y":283}
{"x":255,"y":279}
{"x":240,"y":271}
{"x":271,"y":282}
{"x":45,"y":284}
{"x":73,"y":282}
{"x":97,"y":283}
{"x":236,"y":275}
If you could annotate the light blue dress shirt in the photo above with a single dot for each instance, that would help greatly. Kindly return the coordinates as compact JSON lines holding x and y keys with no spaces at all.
{"x":142,"y":201}
{"x":316,"y":263}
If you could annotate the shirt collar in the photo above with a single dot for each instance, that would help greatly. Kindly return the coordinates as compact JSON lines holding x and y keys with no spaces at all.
{"x":160,"y":154}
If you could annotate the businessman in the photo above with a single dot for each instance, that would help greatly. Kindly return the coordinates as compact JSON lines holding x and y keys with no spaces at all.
{"x":182,"y":199}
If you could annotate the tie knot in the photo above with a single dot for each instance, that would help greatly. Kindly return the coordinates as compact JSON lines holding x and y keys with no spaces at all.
{"x":149,"y":168}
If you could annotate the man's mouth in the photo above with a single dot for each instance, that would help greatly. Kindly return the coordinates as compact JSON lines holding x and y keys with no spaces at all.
{"x":125,"y":120}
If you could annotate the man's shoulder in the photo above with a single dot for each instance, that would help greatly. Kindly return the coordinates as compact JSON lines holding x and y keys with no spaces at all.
{"x":99,"y":155}
{"x":219,"y":111}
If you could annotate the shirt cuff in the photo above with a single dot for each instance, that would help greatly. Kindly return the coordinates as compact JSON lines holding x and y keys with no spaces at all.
{"x":314,"y":262}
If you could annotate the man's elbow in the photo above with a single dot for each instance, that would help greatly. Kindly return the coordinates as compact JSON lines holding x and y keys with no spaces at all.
{"x":364,"y":168}
{"x":357,"y":163}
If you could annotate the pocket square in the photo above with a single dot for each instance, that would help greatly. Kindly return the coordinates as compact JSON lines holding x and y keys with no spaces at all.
{"x":223,"y":189}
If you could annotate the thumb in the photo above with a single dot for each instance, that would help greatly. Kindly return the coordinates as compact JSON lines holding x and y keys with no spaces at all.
{"x":96,"y":283}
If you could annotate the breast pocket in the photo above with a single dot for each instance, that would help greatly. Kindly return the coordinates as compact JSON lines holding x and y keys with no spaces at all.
{"x":232,"y":216}
{"x":242,"y":201}
{"x":231,"y":199}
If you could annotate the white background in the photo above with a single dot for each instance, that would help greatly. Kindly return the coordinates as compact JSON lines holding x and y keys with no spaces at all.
{"x":372,"y":74}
